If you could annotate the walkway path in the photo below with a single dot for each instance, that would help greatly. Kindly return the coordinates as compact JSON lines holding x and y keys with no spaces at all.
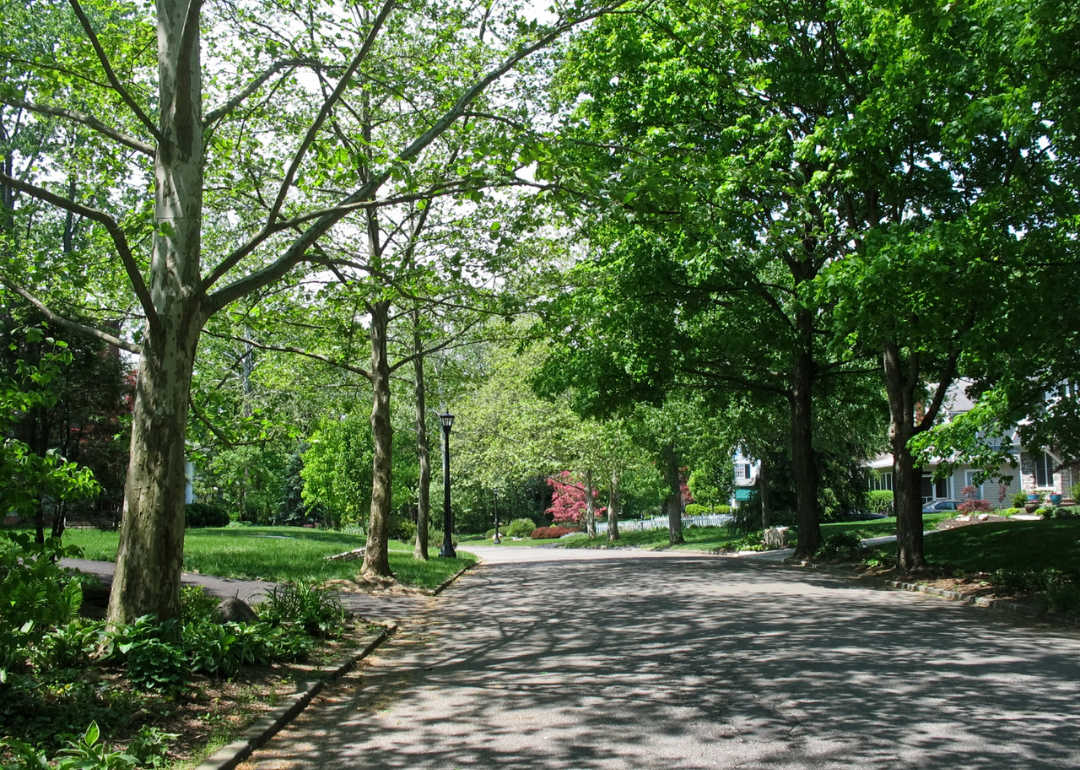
{"x":549,"y":660}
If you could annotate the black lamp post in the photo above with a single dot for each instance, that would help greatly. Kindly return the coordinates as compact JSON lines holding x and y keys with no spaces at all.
{"x":447,"y":551}
{"x":496,"y":539}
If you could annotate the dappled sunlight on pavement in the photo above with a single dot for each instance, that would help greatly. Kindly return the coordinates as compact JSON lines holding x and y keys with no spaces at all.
{"x":620,"y":661}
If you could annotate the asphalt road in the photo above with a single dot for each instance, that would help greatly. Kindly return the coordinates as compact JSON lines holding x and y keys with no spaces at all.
{"x":611,"y":659}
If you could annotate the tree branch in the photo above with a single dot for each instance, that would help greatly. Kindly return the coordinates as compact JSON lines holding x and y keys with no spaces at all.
{"x":61,"y":321}
{"x":113,"y":80}
{"x":295,"y":253}
{"x":328,"y":104}
{"x":86,"y":120}
{"x":115,"y":232}
{"x":220,"y":112}
{"x":294,"y":351}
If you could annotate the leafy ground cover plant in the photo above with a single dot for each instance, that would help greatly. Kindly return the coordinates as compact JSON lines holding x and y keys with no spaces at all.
{"x":314,"y":609}
{"x":840,"y":545}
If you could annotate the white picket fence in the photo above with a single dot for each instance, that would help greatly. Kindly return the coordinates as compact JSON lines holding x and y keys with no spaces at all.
{"x":661,"y":522}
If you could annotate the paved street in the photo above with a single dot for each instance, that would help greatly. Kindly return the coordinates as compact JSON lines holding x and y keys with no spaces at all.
{"x":614,"y":659}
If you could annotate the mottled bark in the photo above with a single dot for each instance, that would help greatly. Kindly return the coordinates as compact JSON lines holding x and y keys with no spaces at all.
{"x":614,"y":506}
{"x":150,"y":553}
{"x":590,"y":505}
{"x":673,"y":502}
{"x":376,"y":551}
{"x":423,"y":454}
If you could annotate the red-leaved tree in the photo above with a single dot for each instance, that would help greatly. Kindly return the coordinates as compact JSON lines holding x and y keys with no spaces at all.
{"x":568,"y":499}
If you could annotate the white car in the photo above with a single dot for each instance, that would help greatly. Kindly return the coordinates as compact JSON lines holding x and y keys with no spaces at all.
{"x":942,"y":505}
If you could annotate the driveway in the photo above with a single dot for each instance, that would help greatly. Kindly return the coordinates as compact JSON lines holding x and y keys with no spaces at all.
{"x":548,"y":659}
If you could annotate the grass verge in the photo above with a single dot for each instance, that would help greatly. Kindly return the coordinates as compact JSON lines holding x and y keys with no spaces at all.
{"x":280,"y":555}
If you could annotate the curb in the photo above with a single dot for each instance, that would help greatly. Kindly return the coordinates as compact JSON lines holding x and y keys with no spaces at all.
{"x":231,"y":755}
{"x":450,"y":580}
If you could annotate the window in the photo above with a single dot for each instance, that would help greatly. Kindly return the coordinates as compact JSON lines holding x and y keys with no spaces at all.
{"x":969,"y":481}
{"x":1044,"y":469}
{"x":747,"y":467}
{"x":876,"y":481}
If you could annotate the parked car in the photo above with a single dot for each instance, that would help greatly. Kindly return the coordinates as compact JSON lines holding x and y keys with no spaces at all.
{"x":942,"y":505}
{"x":857,"y":515}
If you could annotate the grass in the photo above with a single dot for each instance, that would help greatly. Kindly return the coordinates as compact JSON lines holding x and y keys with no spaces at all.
{"x":279,"y":554}
{"x":1008,"y":545}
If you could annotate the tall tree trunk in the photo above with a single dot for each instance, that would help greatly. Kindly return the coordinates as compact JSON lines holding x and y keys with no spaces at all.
{"x":763,"y":492}
{"x":376,"y":552}
{"x":590,"y":505}
{"x":804,"y":469}
{"x":423,"y":454}
{"x":150,"y":553}
{"x":614,"y":506}
{"x":673,"y":502}
{"x":901,"y":387}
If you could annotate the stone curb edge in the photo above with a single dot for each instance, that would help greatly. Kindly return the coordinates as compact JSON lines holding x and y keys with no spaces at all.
{"x":998,"y":605}
{"x":231,"y":755}
{"x":450,"y":580}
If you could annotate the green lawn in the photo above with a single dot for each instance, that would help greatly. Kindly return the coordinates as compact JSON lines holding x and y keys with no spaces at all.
{"x":279,"y":554}
{"x":1008,"y":545}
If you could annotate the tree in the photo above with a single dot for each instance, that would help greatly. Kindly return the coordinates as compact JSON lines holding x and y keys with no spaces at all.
{"x":186,"y":151}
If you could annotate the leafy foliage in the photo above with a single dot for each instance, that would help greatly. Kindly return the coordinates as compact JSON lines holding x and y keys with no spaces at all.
{"x":840,"y":545}
{"x":520,"y":528}
{"x":199,"y":515}
{"x":316,"y":610}
{"x":880,"y":501}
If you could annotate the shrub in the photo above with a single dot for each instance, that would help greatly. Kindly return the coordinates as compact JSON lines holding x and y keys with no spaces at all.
{"x":696,"y":509}
{"x":880,"y":501}
{"x":402,"y":529}
{"x":1019,"y":500}
{"x":223,"y":649}
{"x":751,"y":541}
{"x":549,"y":533}
{"x":1007,"y":512}
{"x":972,"y":506}
{"x":840,"y":545}
{"x":520,"y":528}
{"x":196,"y":604}
{"x":317,"y":610}
{"x":199,"y":515}
{"x":66,"y":647}
{"x":151,"y":660}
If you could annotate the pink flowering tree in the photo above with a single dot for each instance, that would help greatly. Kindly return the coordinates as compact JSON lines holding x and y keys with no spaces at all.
{"x":569,"y":501}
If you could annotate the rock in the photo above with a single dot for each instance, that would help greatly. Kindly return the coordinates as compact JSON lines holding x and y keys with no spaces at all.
{"x":984,"y":516}
{"x":233,"y":610}
{"x":776,"y":537}
{"x":963,"y":518}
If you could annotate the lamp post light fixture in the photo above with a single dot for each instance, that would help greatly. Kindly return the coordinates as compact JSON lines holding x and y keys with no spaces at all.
{"x":447,"y":550}
{"x":496,"y":539}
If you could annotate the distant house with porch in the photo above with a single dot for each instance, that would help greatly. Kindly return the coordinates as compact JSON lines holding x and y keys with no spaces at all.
{"x":1038,"y":469}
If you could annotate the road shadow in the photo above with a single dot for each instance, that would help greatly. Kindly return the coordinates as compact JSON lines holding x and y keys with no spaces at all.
{"x":697,"y":662}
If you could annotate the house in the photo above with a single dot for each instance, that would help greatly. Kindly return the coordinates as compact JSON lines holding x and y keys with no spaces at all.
{"x":1037,"y":468}
{"x":746,"y":473}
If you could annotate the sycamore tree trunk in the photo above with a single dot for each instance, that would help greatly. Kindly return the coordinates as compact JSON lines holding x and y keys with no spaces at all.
{"x":590,"y":505}
{"x":423,"y":454}
{"x":614,"y":506}
{"x":673,"y":502}
{"x":376,"y":552}
{"x":150,"y":554}
{"x":804,"y":469}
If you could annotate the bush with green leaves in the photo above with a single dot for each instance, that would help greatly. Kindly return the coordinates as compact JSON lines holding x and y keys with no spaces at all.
{"x":402,"y":529}
{"x":223,"y":649}
{"x":840,"y":545}
{"x":520,"y":528}
{"x":200,"y":515}
{"x":65,"y":647}
{"x":315,"y":609}
{"x":196,"y":604}
{"x":880,"y":501}
{"x":36,"y":594}
{"x":1019,"y":499}
{"x":696,"y":509}
{"x":751,"y":541}
{"x":148,"y":652}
